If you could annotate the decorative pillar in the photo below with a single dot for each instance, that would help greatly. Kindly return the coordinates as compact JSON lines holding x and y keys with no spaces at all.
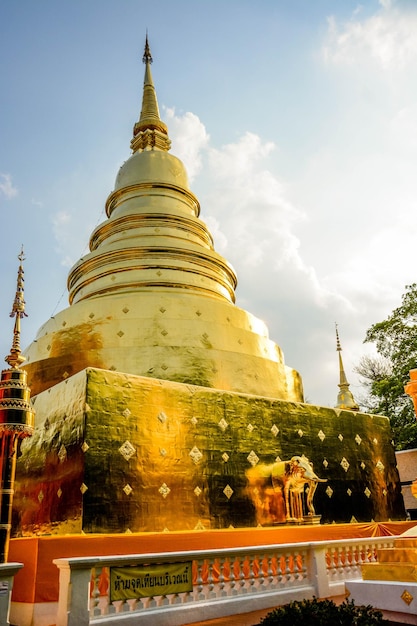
{"x":16,"y":416}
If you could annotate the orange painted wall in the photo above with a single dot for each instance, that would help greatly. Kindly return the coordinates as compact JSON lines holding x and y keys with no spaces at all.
{"x":39,"y":579}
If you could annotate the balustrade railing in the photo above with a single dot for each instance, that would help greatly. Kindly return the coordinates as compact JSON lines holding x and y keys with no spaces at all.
{"x":222,"y":582}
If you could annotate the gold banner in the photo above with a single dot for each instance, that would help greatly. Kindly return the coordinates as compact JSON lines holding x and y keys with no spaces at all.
{"x":150,"y":580}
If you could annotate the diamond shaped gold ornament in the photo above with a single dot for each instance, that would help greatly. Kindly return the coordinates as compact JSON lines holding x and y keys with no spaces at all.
{"x":62,"y":453}
{"x":345,"y":464}
{"x":407,"y":597}
{"x":162,"y":417}
{"x":275,"y":430}
{"x":164,"y":490}
{"x":253,"y":458}
{"x":223,"y":424}
{"x":228,"y":492}
{"x":199,"y":526}
{"x":127,"y":489}
{"x":321,"y":435}
{"x":196,"y":455}
{"x":329,"y":491}
{"x":127,"y":450}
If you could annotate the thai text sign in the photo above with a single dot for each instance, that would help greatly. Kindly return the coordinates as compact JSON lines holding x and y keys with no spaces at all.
{"x":145,"y":581}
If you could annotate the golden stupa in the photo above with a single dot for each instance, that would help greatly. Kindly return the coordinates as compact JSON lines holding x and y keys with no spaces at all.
{"x":157,"y":397}
{"x":152,"y":297}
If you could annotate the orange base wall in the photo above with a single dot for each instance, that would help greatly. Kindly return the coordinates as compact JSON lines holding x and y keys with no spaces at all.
{"x":38,"y":581}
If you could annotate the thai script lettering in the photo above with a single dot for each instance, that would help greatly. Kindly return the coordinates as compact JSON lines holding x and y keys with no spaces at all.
{"x":152,"y":580}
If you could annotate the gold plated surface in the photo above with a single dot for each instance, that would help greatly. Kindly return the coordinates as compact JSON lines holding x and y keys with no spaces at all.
{"x":398,"y":555}
{"x":179,"y":337}
{"x":406,"y":572}
{"x":396,"y":563}
{"x":114,"y":452}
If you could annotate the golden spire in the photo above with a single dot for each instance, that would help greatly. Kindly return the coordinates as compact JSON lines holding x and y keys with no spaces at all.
{"x":149,"y":132}
{"x":16,"y":358}
{"x":345,"y":399}
{"x":16,"y":416}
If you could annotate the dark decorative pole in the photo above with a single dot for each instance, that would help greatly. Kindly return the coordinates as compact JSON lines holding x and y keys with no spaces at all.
{"x":16,"y":416}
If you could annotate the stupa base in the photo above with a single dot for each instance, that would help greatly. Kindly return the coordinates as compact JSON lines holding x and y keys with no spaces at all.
{"x":396,"y":599}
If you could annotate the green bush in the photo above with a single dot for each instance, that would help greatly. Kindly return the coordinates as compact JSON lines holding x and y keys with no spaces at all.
{"x":323,"y":613}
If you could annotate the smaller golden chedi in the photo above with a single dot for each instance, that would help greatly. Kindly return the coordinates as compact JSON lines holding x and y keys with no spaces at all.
{"x":345,"y":399}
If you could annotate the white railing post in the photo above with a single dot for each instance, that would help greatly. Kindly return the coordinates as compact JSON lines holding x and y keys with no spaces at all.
{"x":7,"y":573}
{"x":318,"y":570}
{"x":74,"y":592}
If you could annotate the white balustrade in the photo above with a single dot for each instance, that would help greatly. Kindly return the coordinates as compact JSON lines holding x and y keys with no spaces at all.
{"x":7,"y":573}
{"x":224,"y":582}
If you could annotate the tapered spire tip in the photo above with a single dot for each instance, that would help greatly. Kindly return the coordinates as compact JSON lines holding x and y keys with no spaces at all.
{"x":16,"y":358}
{"x":150,"y":132}
{"x":147,"y":57}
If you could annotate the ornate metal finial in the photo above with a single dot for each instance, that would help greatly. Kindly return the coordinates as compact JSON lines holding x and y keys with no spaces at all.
{"x":15,"y":358}
{"x":150,"y":132}
{"x":338,"y":346}
{"x":147,"y":57}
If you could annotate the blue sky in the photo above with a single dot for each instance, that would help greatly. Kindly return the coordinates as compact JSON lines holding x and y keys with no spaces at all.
{"x":298,"y":124}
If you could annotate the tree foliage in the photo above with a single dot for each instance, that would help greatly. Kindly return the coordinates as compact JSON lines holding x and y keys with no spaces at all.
{"x":384,"y":376}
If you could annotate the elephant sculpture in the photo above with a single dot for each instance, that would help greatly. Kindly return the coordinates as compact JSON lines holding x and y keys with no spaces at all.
{"x":281,"y":491}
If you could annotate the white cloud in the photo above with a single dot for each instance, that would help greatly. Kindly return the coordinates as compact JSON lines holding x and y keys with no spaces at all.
{"x":388,"y":39}
{"x":6,"y":186}
{"x":254,"y":225}
{"x":189,"y":138}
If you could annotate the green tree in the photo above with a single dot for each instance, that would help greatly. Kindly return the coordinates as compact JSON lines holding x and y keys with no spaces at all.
{"x":384,"y":376}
